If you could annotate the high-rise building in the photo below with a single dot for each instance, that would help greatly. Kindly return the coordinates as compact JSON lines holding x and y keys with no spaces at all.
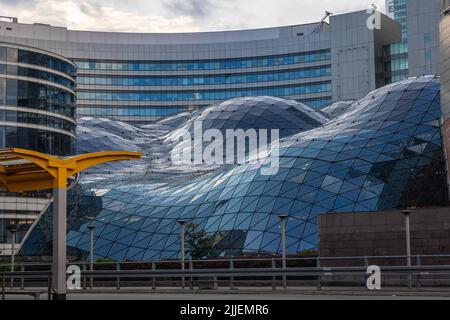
{"x":37,"y":111}
{"x":418,"y":52}
{"x":140,"y":77}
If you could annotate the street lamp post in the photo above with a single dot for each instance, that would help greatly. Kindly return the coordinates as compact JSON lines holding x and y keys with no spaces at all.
{"x":91,"y":228}
{"x":13,"y":247}
{"x":407,"y":214}
{"x":283,"y":219}
{"x":13,"y":231}
{"x":182,"y":224}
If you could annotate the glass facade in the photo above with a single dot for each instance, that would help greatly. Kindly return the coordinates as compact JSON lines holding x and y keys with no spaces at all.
{"x":38,"y":74}
{"x":252,"y":62}
{"x":161,"y":88}
{"x":105,"y":111}
{"x":315,"y":72}
{"x":399,"y":51}
{"x":37,"y":101}
{"x":37,"y":112}
{"x":323,"y":87}
{"x":382,"y":152}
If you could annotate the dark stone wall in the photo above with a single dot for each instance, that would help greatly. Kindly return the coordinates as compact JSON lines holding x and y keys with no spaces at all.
{"x":383,"y":233}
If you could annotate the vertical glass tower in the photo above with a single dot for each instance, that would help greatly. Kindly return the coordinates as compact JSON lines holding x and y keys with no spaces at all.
{"x":396,"y":9}
{"x":418,"y":52}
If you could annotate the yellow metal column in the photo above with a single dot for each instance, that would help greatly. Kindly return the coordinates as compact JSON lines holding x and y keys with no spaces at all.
{"x":26,"y":170}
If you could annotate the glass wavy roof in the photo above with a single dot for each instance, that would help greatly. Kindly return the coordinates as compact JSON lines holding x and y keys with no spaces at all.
{"x":383,"y":152}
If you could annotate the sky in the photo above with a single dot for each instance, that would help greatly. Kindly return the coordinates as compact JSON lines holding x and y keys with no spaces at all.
{"x":176,"y":15}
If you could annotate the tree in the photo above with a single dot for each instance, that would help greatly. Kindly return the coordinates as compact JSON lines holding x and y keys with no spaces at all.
{"x":199,"y":244}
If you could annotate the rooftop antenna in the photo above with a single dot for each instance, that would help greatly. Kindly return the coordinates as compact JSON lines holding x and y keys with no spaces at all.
{"x":327,"y":14}
{"x":11,"y":19}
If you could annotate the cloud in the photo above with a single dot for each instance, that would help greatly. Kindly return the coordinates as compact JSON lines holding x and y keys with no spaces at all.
{"x":89,"y":9}
{"x":15,"y":2}
{"x":175,"y":15}
{"x":193,"y":8}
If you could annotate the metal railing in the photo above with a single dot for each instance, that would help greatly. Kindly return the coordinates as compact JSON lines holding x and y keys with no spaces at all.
{"x":311,"y":272}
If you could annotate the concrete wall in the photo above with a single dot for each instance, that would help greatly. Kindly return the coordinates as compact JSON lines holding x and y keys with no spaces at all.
{"x":383,"y":233}
{"x":445,"y":84}
{"x":423,"y":22}
{"x":355,"y":51}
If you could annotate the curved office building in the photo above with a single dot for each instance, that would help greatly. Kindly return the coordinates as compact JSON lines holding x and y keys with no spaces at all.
{"x":37,"y":100}
{"x":37,"y":112}
{"x":142,"y":77}
{"x":383,"y":152}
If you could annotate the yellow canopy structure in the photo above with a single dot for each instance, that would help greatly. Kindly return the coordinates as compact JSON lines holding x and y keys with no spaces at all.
{"x":26,"y":170}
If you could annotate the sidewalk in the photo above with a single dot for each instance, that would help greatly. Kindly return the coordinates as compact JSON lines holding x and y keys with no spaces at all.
{"x":310,"y":291}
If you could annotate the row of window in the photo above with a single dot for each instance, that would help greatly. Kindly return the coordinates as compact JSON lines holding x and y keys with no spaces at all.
{"x":129,"y":112}
{"x":206,"y":64}
{"x":37,"y":119}
{"x":399,"y":48}
{"x":208,"y":80}
{"x":33,"y":139}
{"x":319,"y":87}
{"x":164,"y":111}
{"x":37,"y":74}
{"x":37,"y":96}
{"x":399,"y":64}
{"x":37,"y":59}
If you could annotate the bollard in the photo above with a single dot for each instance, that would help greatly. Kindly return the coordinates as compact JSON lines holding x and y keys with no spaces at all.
{"x":154,"y":278}
{"x":84,"y":276}
{"x":366,"y":265}
{"x":13,"y":269}
{"x":49,"y":286}
{"x":3,"y":286}
{"x":231,"y":277}
{"x":22,"y":279}
{"x":274,"y":285}
{"x":419,"y":263}
{"x":92,"y":277}
{"x":191,"y":268}
{"x":319,"y":277}
{"x":118,"y":277}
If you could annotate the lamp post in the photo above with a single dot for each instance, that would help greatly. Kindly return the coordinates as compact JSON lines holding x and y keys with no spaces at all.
{"x":283,"y":219}
{"x":182,"y":224}
{"x":407,"y":214}
{"x":91,"y":228}
{"x":13,"y":231}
